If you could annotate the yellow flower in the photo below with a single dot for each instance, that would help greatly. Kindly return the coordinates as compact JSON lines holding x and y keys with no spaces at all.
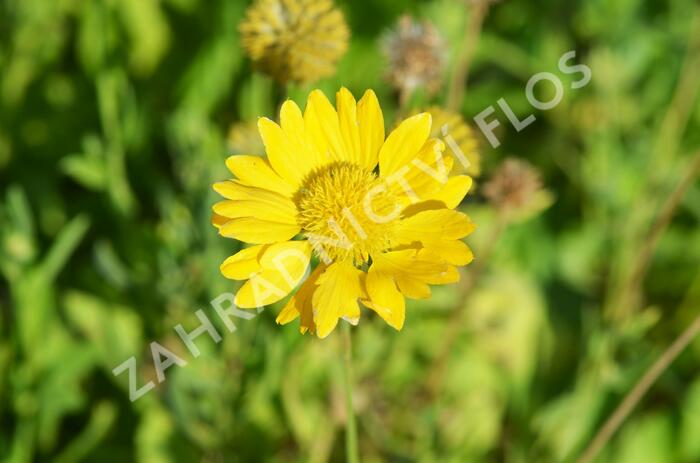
{"x":294,"y":40}
{"x":451,"y":128}
{"x":378,"y":213}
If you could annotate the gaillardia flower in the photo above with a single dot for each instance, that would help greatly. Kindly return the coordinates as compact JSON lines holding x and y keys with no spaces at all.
{"x":294,"y":40}
{"x":377,"y":213}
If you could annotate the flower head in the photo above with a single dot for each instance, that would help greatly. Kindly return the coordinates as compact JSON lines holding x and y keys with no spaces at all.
{"x":453,"y":130}
{"x":294,"y":40}
{"x":415,"y":53}
{"x":515,"y":189}
{"x":377,"y":212}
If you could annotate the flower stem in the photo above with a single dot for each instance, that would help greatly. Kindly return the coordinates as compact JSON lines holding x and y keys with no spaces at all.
{"x":351,"y":448}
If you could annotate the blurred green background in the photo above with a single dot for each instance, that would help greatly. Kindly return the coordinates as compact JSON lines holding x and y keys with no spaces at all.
{"x":114,"y":117}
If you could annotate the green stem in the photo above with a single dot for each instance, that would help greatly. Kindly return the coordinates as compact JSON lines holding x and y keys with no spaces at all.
{"x":351,"y":449}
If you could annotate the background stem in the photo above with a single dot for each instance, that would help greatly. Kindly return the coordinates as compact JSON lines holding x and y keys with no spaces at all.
{"x":629,"y":298}
{"x":635,"y":395}
{"x":458,"y":80}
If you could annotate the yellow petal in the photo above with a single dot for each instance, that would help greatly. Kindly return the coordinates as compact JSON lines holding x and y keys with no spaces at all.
{"x":230,"y":189}
{"x":243,"y":264}
{"x":218,"y":220}
{"x":291,"y":256}
{"x":349,"y":127}
{"x":301,"y":148}
{"x":278,"y":152}
{"x":281,"y":212}
{"x":403,"y":144}
{"x":384,"y":298}
{"x":454,"y":191}
{"x":453,"y":252}
{"x":282,"y":266}
{"x":289,"y":313}
{"x":260,"y":290}
{"x":336,"y":296}
{"x":429,"y":205}
{"x":424,"y":176}
{"x":433,"y":225}
{"x":248,"y":201}
{"x":300,"y":304}
{"x":256,"y":231}
{"x":411,"y":262}
{"x":413,"y":270}
{"x":256,"y":171}
{"x":371,"y":128}
{"x":449,"y":275}
{"x":321,"y":122}
{"x":413,"y":288}
{"x":235,"y":189}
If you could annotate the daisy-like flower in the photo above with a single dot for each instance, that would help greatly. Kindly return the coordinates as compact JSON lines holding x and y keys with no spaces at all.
{"x":377,"y":213}
{"x":451,"y":128}
{"x":415,"y":52}
{"x":294,"y":40}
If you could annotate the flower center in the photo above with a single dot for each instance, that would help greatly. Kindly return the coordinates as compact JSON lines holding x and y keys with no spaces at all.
{"x":346,"y":212}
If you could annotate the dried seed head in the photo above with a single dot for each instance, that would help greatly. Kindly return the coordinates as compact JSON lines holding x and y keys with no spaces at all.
{"x":415,"y":54}
{"x":514,"y":187}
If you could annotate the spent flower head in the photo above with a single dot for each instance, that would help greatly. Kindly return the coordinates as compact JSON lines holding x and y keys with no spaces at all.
{"x":515,"y":189}
{"x":415,"y":52}
{"x":294,"y":40}
{"x":377,"y":212}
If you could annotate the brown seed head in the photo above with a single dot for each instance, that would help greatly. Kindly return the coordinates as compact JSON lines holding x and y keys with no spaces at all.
{"x":513,"y":186}
{"x":415,"y":54}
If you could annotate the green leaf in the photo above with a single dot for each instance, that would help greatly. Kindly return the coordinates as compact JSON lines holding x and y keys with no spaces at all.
{"x":86,"y":169}
{"x":64,"y":245}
